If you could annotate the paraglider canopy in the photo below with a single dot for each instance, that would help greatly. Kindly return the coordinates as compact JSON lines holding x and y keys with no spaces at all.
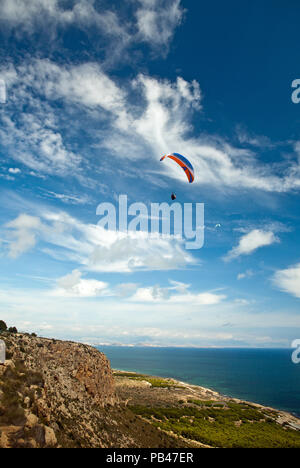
{"x":182,"y":162}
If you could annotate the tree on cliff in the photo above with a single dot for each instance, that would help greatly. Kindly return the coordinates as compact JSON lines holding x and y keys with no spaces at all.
{"x":3,"y":326}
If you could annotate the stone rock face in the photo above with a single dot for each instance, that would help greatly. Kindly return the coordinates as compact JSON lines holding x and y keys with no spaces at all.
{"x":50,"y":438}
{"x":31,"y":420}
{"x":74,"y":365}
{"x":65,"y":387}
{"x":62,"y":394}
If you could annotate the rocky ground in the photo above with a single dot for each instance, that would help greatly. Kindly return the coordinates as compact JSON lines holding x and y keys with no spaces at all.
{"x":62,"y":394}
{"x":171,"y":392}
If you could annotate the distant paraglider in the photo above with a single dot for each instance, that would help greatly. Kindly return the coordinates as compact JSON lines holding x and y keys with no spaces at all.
{"x":173,"y":196}
{"x":182,"y":162}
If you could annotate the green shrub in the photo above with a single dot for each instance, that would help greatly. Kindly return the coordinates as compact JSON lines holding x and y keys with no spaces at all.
{"x":213,"y":425}
{"x":3,"y":326}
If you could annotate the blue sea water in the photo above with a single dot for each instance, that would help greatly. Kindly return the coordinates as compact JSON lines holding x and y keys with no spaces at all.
{"x":265,"y":376}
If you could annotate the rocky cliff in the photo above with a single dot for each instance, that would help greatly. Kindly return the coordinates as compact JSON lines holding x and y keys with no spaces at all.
{"x":62,"y":394}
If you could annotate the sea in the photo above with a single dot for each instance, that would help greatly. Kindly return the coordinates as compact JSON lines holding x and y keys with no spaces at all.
{"x":265,"y":376}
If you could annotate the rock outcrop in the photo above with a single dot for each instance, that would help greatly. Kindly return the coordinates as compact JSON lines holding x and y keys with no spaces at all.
{"x":62,"y":394}
{"x":59,"y":385}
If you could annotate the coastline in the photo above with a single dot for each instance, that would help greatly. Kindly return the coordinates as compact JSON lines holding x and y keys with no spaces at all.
{"x":267,"y":377}
{"x":283,"y":417}
{"x":69,"y":393}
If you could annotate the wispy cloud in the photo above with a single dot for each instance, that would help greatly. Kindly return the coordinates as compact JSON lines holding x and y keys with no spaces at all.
{"x":177,"y":293}
{"x":14,"y":170}
{"x":246,"y":274}
{"x":288,"y":280}
{"x":159,"y":120}
{"x":28,"y":17}
{"x":73,"y":285}
{"x":95,"y":248}
{"x":84,"y":84}
{"x":68,"y":199}
{"x":2,"y":92}
{"x":23,"y":231}
{"x":36,"y":142}
{"x":157,"y":20}
{"x":250,"y":242}
{"x":152,"y":21}
{"x":260,"y":141}
{"x":103,"y":318}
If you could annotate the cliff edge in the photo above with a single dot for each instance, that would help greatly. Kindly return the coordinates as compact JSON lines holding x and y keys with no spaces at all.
{"x":62,"y":394}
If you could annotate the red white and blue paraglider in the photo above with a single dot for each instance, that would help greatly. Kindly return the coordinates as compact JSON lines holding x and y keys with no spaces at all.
{"x":184,"y":164}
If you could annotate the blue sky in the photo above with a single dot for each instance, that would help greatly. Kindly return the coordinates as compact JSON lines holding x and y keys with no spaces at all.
{"x":96,"y":93}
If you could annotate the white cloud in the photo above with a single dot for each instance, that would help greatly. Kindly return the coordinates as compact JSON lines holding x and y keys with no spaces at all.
{"x":137,"y":251}
{"x":288,"y":280}
{"x":246,"y":274}
{"x":23,"y":230}
{"x":150,"y":294}
{"x":242,"y":302}
{"x":241,"y":276}
{"x":166,"y":113}
{"x":74,"y":285}
{"x":85,"y":84}
{"x":245,"y":138}
{"x":37,"y":144}
{"x":125,"y":289}
{"x":14,"y":170}
{"x":157,"y":121}
{"x":250,"y":242}
{"x":176,"y":294}
{"x":205,"y":298}
{"x":20,"y":11}
{"x":7,"y":177}
{"x":153,"y":22}
{"x":33,"y":15}
{"x":2,"y":91}
{"x":178,"y":286}
{"x":38,"y":136}
{"x":95,"y":248}
{"x":153,"y":335}
{"x":69,"y":199}
{"x":119,"y":320}
{"x":164,"y":125}
{"x":157,"y":20}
